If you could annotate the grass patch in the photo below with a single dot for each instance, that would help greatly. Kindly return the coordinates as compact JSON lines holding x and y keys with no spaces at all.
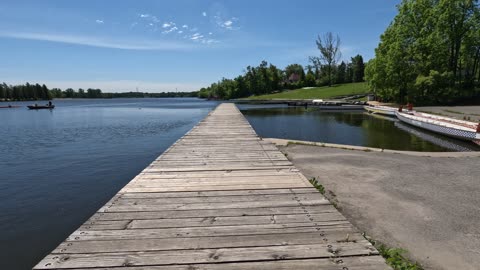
{"x":319,"y":92}
{"x":394,"y":256}
{"x":317,"y":185}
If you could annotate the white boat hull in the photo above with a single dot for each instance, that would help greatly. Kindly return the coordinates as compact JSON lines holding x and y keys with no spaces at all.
{"x":434,"y":126}
{"x":338,"y":107}
{"x":380,"y":110}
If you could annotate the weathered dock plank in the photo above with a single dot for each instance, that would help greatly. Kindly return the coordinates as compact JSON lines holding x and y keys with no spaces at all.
{"x":219,"y":198}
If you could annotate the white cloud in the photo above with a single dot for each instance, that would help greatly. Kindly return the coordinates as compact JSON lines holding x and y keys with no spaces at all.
{"x":196,"y":36}
{"x":99,"y":21}
{"x":150,"y":18}
{"x":170,"y":30}
{"x":102,"y":42}
{"x":184,"y":26}
{"x":168,"y":24}
{"x":209,"y":41}
{"x":204,"y":14}
{"x":226,"y":23}
{"x":180,"y":32}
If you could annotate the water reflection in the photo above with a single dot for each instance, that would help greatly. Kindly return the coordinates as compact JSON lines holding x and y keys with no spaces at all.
{"x":346,"y":127}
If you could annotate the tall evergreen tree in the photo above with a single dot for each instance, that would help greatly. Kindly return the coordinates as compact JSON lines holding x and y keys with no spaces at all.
{"x":358,"y":68}
{"x":341,"y":72}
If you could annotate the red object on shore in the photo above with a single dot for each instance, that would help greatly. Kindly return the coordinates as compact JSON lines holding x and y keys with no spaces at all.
{"x":410,"y":106}
{"x":478,"y":128}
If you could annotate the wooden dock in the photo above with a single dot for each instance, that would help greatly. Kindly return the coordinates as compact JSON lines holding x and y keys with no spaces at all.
{"x":219,"y":198}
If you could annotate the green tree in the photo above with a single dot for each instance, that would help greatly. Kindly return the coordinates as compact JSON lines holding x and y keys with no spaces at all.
{"x":310,"y":77}
{"x":358,"y":68}
{"x":341,"y":72}
{"x":2,"y":92}
{"x":69,"y":93}
{"x":429,"y":54}
{"x":329,"y":47}
{"x":45,"y":93}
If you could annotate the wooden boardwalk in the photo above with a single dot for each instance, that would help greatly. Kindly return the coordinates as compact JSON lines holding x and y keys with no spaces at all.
{"x":219,"y":198}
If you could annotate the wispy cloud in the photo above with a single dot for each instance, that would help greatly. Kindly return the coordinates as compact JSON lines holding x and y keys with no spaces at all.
{"x":184,"y":26}
{"x":101,"y":42}
{"x":99,"y":21}
{"x":149,"y":17}
{"x":204,"y":14}
{"x":168,"y":24}
{"x":170,"y":30}
{"x":196,"y":36}
{"x":228,"y":24}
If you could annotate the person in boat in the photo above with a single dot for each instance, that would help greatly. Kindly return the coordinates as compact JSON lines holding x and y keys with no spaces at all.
{"x":49,"y":103}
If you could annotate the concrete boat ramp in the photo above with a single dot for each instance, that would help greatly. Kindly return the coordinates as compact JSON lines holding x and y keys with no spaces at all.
{"x":219,"y":198}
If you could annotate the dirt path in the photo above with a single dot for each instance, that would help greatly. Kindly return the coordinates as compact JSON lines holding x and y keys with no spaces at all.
{"x":427,"y":205}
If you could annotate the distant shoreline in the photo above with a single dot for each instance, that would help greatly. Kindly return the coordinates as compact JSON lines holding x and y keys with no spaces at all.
{"x":6,"y":101}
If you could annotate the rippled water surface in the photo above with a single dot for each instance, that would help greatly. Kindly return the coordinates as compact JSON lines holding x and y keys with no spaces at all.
{"x":347,"y":127}
{"x":57,"y":167}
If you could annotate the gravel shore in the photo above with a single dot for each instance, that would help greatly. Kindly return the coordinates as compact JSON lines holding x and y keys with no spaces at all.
{"x":429,"y":206}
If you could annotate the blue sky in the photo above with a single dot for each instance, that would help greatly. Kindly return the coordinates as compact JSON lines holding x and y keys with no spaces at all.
{"x":173,"y":45}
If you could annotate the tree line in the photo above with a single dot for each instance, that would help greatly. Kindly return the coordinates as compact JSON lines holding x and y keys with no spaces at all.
{"x":267,"y":78}
{"x":42,"y":92}
{"x":24,"y":92}
{"x":430,"y":53}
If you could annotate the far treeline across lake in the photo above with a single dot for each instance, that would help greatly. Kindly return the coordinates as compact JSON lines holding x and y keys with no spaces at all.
{"x":41,"y":92}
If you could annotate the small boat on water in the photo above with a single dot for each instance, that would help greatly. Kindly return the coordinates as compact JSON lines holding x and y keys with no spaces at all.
{"x":39,"y":107}
{"x":49,"y":106}
{"x":384,"y":110}
{"x":463,"y":130}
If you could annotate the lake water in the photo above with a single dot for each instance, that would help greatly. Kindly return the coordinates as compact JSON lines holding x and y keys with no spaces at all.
{"x":353,"y":128}
{"x":58,"y":167}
